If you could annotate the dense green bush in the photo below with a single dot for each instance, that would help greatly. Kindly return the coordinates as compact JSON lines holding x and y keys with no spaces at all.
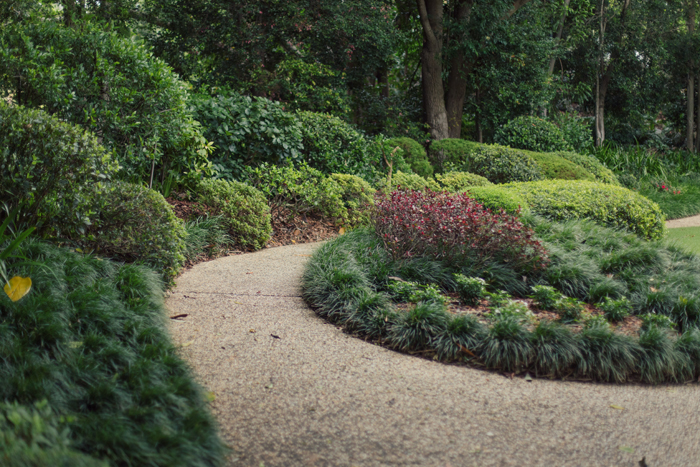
{"x":414,"y":154}
{"x":450,"y":152}
{"x":299,"y":190}
{"x":577,"y":131}
{"x":496,"y":198}
{"x":608,"y":205}
{"x":91,"y":339}
{"x":110,"y":84}
{"x":246,"y":131}
{"x":244,"y":209}
{"x":52,"y":169}
{"x":500,"y":164}
{"x":135,"y":224}
{"x":408,"y":181}
{"x":37,"y":437}
{"x":592,"y":165}
{"x":533,"y":133}
{"x":552,"y":165}
{"x":358,"y":197}
{"x":334,"y":146}
{"x":460,"y":181}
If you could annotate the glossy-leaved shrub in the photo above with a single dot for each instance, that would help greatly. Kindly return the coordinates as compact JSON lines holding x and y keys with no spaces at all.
{"x":460,"y":181}
{"x":533,"y":133}
{"x":51,"y":168}
{"x":244,"y":209}
{"x":357,"y":196}
{"x":453,"y":228}
{"x":299,"y":190}
{"x":414,"y":154}
{"x":111,"y":84}
{"x":136,"y":225}
{"x":609,"y":205}
{"x":500,"y":164}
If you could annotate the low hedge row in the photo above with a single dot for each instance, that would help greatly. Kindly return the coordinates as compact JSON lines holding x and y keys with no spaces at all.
{"x":91,"y":339}
{"x":344,"y":280}
{"x":609,"y":205}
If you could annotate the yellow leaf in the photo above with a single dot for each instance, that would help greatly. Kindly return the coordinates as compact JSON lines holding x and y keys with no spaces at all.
{"x":211,"y":397}
{"x":18,"y":287}
{"x":75,"y":344}
{"x":613,"y":406}
{"x":342,"y":231}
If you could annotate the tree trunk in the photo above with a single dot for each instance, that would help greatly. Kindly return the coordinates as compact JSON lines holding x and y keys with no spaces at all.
{"x":431,"y":12}
{"x":557,"y":38}
{"x":457,"y":79}
{"x":690,"y":113}
{"x":697,"y":118}
{"x":600,"y":103}
{"x":602,"y":86}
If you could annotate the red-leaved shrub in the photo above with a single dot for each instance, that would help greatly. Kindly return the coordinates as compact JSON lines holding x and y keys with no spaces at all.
{"x":454,"y":228}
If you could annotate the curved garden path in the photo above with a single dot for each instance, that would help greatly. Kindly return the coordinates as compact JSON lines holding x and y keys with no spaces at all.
{"x":293,"y":390}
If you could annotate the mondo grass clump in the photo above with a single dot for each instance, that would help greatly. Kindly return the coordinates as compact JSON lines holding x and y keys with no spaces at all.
{"x":358,"y":282}
{"x":90,"y":340}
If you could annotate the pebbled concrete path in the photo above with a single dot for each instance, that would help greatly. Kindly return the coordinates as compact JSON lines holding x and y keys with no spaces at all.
{"x":293,"y":390}
{"x":693,"y":221}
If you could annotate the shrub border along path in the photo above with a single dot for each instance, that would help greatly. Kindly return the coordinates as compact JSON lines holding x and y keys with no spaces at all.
{"x":292,"y":389}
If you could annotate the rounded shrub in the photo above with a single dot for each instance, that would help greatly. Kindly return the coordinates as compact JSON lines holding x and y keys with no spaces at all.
{"x":408,"y":181}
{"x":334,"y":146}
{"x":96,"y":77}
{"x":299,"y":190}
{"x":52,"y":169}
{"x":500,"y":164}
{"x":358,"y":197}
{"x":533,"y":133}
{"x":414,"y":154}
{"x":605,"y":204}
{"x":599,"y":171}
{"x":136,"y":225}
{"x":450,"y":152}
{"x":460,"y":181}
{"x":244,"y":209}
{"x":554,"y":166}
{"x":497,"y":198}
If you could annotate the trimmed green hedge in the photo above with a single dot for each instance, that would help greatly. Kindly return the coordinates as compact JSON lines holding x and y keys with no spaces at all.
{"x":90,"y":338}
{"x":135,"y":224}
{"x":553,"y":166}
{"x":608,"y":205}
{"x":460,"y":181}
{"x":358,"y":197}
{"x":599,"y":171}
{"x":409,"y":182}
{"x":414,"y":154}
{"x":244,"y":209}
{"x":533,"y":133}
{"x":496,"y":197}
{"x":450,"y":152}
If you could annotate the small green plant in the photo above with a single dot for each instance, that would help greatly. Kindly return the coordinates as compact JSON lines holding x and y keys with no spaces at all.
{"x":414,"y":154}
{"x":471,"y":289}
{"x":546,"y":297}
{"x":414,"y":293}
{"x":569,"y":309}
{"x":512,"y":309}
{"x":650,"y":320}
{"x":616,"y":310}
{"x":498,"y":298}
{"x":590,"y":321}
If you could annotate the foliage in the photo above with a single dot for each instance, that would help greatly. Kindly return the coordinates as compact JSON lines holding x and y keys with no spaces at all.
{"x":244,"y":210}
{"x":414,"y":154}
{"x":592,"y":165}
{"x":51,"y":169}
{"x":546,"y":297}
{"x":606,"y":204}
{"x":299,"y":190}
{"x":418,"y":328}
{"x":358,"y":198}
{"x":246,"y":131}
{"x":615,"y":310}
{"x":570,"y":309}
{"x":8,"y":244}
{"x":497,"y":198}
{"x":408,"y":181}
{"x":91,"y":340}
{"x":135,"y":224}
{"x":35,"y":436}
{"x":453,"y":228}
{"x":406,"y":291}
{"x":499,"y":298}
{"x":333,"y":146}
{"x":498,"y":164}
{"x":577,"y":131}
{"x":112,"y":85}
{"x":552,"y":165}
{"x":450,"y":152}
{"x":460,"y":181}
{"x":533,"y":133}
{"x":652,"y":320}
{"x":471,"y":289}
{"x":206,"y":237}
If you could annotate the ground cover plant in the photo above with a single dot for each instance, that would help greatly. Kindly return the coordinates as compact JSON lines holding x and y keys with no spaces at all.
{"x":90,"y":340}
{"x":598,"y":303}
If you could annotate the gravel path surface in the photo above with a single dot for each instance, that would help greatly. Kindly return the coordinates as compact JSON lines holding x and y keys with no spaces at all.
{"x":693,"y":221}
{"x":293,"y":390}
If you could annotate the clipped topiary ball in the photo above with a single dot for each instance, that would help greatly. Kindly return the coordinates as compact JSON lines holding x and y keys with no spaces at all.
{"x":358,"y":196}
{"x":533,"y":133}
{"x":244,"y":208}
{"x":414,"y":154}
{"x":136,"y":225}
{"x":460,"y":181}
